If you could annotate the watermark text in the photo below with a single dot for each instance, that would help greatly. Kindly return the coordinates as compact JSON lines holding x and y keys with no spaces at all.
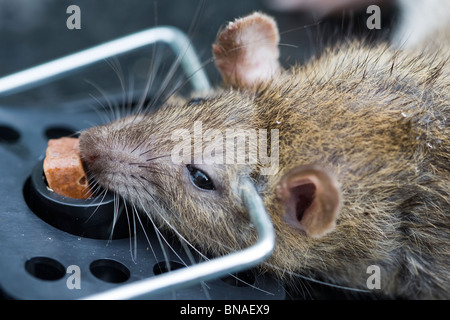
{"x":232,"y":146}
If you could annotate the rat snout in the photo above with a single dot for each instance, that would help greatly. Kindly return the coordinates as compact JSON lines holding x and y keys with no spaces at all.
{"x":115,"y":161}
{"x":102,"y":153}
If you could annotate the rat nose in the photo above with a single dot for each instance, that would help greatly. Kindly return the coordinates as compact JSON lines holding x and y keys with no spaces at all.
{"x":90,"y":159}
{"x":91,"y":149}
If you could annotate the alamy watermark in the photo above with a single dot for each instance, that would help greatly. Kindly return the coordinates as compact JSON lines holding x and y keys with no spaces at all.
{"x":232,"y":146}
{"x":74,"y":280}
{"x":74,"y":20}
{"x":374,"y":280}
{"x":374,"y":20}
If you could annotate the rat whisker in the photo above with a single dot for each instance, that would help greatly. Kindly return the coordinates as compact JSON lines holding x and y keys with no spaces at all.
{"x":117,"y":210}
{"x":230,"y":274}
{"x":145,"y":152}
{"x":159,"y":232}
{"x":156,"y":185}
{"x":103,"y":116}
{"x":117,"y":68}
{"x":145,"y":232}
{"x":186,"y":242}
{"x":165,"y":82}
{"x":138,"y":145}
{"x":187,"y":80}
{"x":315,"y":280}
{"x":109,"y":105}
{"x":152,"y":72}
{"x":149,"y":170}
{"x":173,"y":68}
{"x":191,"y":258}
{"x":288,"y":45}
{"x":155,"y":204}
{"x":306,"y":26}
{"x":171,"y":226}
{"x":155,"y":158}
{"x":128,"y":97}
{"x":132,"y":235}
{"x":92,"y":214}
{"x":164,"y":250}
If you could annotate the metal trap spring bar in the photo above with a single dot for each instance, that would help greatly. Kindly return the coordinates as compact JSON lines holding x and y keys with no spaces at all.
{"x":46,"y":72}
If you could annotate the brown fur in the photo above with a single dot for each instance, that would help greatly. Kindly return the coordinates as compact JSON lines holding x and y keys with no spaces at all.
{"x":384,"y":135}
{"x":375,"y":118}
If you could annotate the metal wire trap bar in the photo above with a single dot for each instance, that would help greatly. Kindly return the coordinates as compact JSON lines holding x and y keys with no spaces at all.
{"x":46,"y":72}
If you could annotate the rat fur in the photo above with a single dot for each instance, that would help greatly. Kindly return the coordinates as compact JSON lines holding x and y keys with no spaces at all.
{"x":364,"y":162}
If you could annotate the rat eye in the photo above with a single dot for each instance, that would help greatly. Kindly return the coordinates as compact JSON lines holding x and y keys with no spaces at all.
{"x":200,"y":179}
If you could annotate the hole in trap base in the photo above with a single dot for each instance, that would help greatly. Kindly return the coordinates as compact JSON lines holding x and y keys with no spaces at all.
{"x":109,"y":270}
{"x":59,"y":132}
{"x":45,"y":268}
{"x":8,"y":134}
{"x":162,"y":267}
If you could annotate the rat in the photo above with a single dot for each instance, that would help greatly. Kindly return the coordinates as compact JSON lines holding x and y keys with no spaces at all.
{"x":362,"y":170}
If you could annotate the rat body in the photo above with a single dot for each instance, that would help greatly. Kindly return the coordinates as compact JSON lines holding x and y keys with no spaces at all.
{"x":363,"y":174}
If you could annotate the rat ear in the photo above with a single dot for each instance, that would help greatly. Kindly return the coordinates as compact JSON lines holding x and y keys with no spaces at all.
{"x":311,"y":200}
{"x":246,"y":51}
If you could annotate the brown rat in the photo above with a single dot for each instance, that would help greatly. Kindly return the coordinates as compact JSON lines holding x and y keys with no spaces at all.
{"x":362,"y":175}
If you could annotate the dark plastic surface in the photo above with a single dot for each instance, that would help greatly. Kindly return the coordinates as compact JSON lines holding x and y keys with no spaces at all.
{"x":45,"y":237}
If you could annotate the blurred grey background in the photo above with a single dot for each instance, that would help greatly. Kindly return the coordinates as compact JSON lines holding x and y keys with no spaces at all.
{"x":34,"y":31}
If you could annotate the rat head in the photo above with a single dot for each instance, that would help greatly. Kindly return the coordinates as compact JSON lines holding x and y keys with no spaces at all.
{"x":182,"y":164}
